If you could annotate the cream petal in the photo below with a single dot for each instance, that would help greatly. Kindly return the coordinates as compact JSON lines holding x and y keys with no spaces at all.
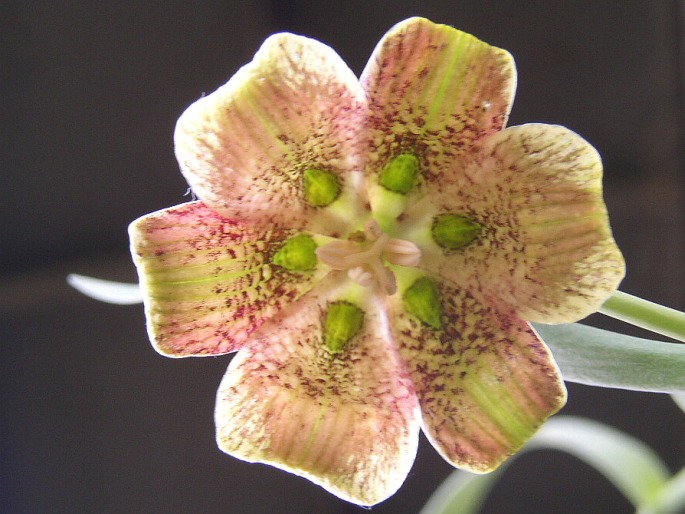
{"x":347,"y":421}
{"x":485,"y":381}
{"x":546,"y":246}
{"x":433,"y":92}
{"x":207,"y":282}
{"x":245,"y":148}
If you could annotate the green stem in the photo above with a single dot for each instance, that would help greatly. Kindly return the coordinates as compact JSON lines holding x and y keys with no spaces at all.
{"x":645,"y":314}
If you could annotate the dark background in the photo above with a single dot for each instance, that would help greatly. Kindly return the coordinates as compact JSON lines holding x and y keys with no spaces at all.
{"x":93,"y":420}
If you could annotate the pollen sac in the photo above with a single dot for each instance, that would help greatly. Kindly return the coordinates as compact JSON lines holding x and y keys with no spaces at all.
{"x":454,"y":231}
{"x":320,"y":187}
{"x":297,"y":254}
{"x":343,"y":321}
{"x":422,"y":299}
{"x":400,"y":174}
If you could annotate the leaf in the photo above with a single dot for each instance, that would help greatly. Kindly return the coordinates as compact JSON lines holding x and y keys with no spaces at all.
{"x":105,"y":290}
{"x":461,"y":493}
{"x":592,"y":356}
{"x":630,"y":465}
{"x":680,"y":400}
{"x":671,"y":499}
{"x":645,"y":314}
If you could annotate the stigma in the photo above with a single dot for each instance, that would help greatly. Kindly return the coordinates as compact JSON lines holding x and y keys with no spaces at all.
{"x":364,"y":258}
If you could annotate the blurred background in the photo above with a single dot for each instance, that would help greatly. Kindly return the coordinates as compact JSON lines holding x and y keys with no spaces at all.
{"x":92,"y":419}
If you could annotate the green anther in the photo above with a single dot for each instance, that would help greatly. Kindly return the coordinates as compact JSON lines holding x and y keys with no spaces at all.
{"x":400,"y":174}
{"x":343,"y":321}
{"x":320,"y":187}
{"x":297,"y":254}
{"x":422,"y":299}
{"x":453,"y":231}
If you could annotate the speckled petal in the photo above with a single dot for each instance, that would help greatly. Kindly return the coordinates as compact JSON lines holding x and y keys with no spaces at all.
{"x":546,"y":246}
{"x":485,"y":381}
{"x":244,"y":149}
{"x":207,"y":282}
{"x":347,"y":421}
{"x":433,"y":92}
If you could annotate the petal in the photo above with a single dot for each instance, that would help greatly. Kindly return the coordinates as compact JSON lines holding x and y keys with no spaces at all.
{"x":433,"y":91}
{"x":348,"y":421}
{"x":546,"y":246}
{"x":485,"y":381}
{"x":207,"y":282}
{"x":245,"y":148}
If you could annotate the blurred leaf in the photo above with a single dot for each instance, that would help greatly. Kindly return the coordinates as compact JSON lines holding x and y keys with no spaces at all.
{"x":679,"y":399}
{"x":630,"y":465}
{"x":671,"y":499}
{"x":105,"y":290}
{"x":462,"y":493}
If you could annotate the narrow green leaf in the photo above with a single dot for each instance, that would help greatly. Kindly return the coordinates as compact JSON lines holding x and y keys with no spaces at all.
{"x":461,"y":493}
{"x":671,"y":499}
{"x":630,"y":465}
{"x":105,"y":290}
{"x":679,"y":399}
{"x":645,"y":314}
{"x":598,"y":357}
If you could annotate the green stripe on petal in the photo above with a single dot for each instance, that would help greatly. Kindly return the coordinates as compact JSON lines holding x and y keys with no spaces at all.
{"x":247,"y":148}
{"x":485,"y":381}
{"x":346,"y":421}
{"x":209,"y":283}
{"x":433,"y":92}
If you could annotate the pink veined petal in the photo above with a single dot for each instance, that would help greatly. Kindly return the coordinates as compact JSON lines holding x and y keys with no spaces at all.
{"x":485,"y":380}
{"x":244,"y":148}
{"x":546,"y":246}
{"x":348,"y":422}
{"x":433,"y":92}
{"x":207,"y":282}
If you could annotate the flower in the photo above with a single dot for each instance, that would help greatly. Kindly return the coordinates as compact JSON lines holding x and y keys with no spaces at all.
{"x":374,"y":249}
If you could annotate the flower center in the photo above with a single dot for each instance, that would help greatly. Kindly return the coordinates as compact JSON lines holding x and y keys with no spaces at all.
{"x":364,"y":259}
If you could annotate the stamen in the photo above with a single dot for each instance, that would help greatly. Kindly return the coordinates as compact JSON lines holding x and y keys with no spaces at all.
{"x":402,"y":253}
{"x":385,"y":277}
{"x":334,"y":253}
{"x":372,"y":253}
{"x":372,"y":231}
{"x":360,"y":276}
{"x":364,"y":259}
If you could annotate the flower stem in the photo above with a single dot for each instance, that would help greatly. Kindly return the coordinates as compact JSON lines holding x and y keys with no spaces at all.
{"x":645,"y":314}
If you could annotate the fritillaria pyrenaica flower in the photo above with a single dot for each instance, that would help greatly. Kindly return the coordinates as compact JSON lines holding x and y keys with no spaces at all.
{"x":374,"y":249}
